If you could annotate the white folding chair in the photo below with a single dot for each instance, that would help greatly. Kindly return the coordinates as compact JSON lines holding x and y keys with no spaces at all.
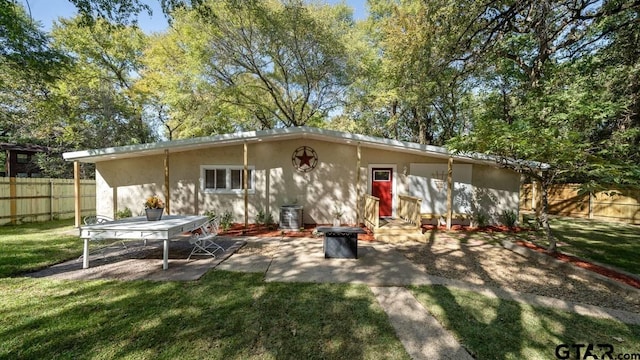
{"x":96,"y":219}
{"x":99,"y":219}
{"x":202,"y":240}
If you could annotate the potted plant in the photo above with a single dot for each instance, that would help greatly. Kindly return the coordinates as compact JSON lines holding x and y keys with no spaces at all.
{"x":153,"y":207}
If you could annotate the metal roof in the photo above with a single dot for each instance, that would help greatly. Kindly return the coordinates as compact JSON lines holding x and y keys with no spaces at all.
{"x":303,"y":132}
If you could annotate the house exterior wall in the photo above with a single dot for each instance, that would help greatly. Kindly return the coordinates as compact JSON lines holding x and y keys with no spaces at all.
{"x":495,"y":190}
{"x":330,"y":186}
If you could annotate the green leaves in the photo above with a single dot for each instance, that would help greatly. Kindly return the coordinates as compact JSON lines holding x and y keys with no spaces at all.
{"x":251,"y":65}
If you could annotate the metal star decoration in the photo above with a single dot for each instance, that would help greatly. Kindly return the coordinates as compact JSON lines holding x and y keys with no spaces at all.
{"x":304,"y":159}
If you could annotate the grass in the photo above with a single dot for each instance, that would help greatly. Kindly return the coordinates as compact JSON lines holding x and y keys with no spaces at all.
{"x":222,"y":316}
{"x":34,"y":246}
{"x":614,"y":244}
{"x":229,"y":315}
{"x":493,"y":328}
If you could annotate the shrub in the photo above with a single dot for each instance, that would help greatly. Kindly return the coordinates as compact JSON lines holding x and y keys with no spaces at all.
{"x":509,"y":218}
{"x":124,"y":213}
{"x":226,"y":220}
{"x":481,"y":219}
{"x":261,"y":217}
{"x":210,"y":214}
{"x":268,"y":220}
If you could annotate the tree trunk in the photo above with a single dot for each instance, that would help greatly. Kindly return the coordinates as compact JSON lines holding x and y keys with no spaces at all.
{"x":544,"y":213}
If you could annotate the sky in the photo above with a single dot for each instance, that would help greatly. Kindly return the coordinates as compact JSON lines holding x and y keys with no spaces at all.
{"x":47,"y":11}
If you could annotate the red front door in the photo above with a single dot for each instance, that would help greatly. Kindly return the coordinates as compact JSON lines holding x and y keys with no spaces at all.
{"x":381,"y":187}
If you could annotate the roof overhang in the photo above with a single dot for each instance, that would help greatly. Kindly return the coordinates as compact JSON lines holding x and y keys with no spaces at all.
{"x":133,"y":151}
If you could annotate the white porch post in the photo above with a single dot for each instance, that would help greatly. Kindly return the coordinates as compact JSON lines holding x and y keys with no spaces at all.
{"x":167,"y":191}
{"x":358,"y":162}
{"x":245,"y":185}
{"x":76,"y":190}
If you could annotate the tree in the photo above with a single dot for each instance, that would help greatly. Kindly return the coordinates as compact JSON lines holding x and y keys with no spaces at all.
{"x":25,"y":50}
{"x":542,"y":102}
{"x":184,"y":101}
{"x":275,"y":63}
{"x":415,"y":91}
{"x":95,"y":104}
{"x":91,"y":104}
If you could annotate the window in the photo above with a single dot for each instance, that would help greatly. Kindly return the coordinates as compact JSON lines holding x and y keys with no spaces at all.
{"x":237,"y":182}
{"x":381,"y":175}
{"x":22,"y":158}
{"x":215,"y":178}
{"x":226,"y":179}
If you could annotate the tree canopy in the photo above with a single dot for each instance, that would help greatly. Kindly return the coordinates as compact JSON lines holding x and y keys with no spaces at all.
{"x":552,"y":81}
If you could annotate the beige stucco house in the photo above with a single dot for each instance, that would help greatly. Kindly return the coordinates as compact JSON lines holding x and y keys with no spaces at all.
{"x":323,"y":171}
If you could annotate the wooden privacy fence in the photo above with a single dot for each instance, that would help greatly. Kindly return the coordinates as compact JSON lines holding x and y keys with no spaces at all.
{"x":621,"y":205}
{"x":35,"y":199}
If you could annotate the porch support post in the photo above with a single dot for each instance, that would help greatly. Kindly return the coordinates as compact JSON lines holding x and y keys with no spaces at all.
{"x":245,"y":185}
{"x":449,"y":192}
{"x":167,"y":191}
{"x":76,"y":191}
{"x":358,"y":162}
{"x":13,"y":202}
{"x":114,"y":201}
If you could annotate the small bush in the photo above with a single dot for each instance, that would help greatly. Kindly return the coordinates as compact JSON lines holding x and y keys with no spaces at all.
{"x":268,"y":220}
{"x":226,"y":220}
{"x":509,"y":218}
{"x":481,"y":219}
{"x":210,"y":214}
{"x":261,"y":217}
{"x":124,"y":213}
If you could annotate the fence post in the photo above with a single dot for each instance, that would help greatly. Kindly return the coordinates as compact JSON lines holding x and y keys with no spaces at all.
{"x":590,"y":205}
{"x":13,"y":203}
{"x":51,"y":199}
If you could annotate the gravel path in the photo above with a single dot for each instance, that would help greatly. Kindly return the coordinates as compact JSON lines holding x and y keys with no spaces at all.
{"x":484,"y":264}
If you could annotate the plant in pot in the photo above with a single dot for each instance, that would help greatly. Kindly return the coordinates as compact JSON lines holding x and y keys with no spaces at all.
{"x":153,"y":208}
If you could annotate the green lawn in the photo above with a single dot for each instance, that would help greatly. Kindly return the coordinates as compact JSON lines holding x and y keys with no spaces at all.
{"x":499,"y":329}
{"x":35,"y":246}
{"x":223,"y":316}
{"x":238,"y":316}
{"x":614,"y":244}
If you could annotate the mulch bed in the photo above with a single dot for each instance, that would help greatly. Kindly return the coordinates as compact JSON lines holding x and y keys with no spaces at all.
{"x":487,"y":229}
{"x":264,"y":231}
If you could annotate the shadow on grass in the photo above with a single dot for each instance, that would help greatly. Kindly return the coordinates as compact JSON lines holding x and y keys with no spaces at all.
{"x":614,"y":244}
{"x":492,"y":328}
{"x":224,"y":315}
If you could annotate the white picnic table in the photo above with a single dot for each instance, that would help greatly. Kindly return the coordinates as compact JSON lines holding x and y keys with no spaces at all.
{"x":139,"y":228}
